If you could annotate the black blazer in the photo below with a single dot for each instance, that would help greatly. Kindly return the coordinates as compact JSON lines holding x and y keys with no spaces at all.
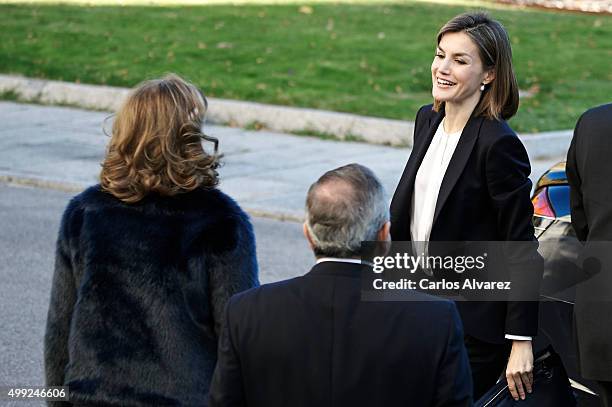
{"x":312,"y":341}
{"x":484,"y":196}
{"x":589,"y":173}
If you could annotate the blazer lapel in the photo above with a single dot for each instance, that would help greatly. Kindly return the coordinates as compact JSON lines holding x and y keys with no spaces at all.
{"x":419,"y":153}
{"x":458,"y":161}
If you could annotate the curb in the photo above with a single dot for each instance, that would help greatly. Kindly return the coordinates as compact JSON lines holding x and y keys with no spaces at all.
{"x":547,"y":144}
{"x":222,"y":111}
{"x":76,"y":188}
{"x":276,"y":118}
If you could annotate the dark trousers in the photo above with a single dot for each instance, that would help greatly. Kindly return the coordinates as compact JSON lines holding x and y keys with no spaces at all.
{"x":487,"y":361}
{"x":605,"y":393}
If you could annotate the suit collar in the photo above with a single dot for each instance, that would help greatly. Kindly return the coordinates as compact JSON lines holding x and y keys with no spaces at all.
{"x":458,"y":161}
{"x":336,"y":268}
{"x":420,"y":150}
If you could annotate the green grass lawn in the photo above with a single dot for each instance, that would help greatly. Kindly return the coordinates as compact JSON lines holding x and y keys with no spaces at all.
{"x":370,"y":58}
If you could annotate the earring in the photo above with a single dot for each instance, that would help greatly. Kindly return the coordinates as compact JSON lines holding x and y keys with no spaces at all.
{"x":482,"y":87}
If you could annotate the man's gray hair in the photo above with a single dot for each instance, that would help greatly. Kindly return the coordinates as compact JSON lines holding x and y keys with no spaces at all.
{"x":344,"y":207}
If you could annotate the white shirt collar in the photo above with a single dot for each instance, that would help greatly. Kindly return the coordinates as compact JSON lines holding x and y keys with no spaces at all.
{"x":324,"y":259}
{"x":340,"y":260}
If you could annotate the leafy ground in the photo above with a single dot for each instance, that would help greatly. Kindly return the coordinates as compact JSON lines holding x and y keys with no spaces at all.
{"x":369,"y":58}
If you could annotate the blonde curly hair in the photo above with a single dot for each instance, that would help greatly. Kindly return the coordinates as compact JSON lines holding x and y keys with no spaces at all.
{"x":156,"y":142}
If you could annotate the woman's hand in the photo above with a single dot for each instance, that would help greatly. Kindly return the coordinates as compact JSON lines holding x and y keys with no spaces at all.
{"x":519,"y":371}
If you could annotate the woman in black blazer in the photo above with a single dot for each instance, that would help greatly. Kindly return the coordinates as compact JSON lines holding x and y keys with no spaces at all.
{"x":467,"y":180}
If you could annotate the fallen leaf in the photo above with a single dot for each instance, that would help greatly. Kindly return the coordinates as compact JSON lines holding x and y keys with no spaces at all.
{"x":225,"y":45}
{"x":534,"y":89}
{"x":305,"y":10}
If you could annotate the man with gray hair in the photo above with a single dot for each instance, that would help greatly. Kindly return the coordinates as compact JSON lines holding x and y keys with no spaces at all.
{"x":345,"y":207}
{"x":312,"y":341}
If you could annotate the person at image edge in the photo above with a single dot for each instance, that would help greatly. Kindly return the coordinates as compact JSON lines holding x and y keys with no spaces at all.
{"x":589,"y":173}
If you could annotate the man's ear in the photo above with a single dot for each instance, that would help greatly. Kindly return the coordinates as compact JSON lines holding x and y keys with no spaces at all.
{"x":307,"y":235}
{"x":384,"y":234}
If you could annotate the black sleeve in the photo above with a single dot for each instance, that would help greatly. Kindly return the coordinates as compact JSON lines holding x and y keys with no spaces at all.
{"x":234,"y":270}
{"x":226,"y":387}
{"x":63,"y":297}
{"x":507,"y":171}
{"x":579,"y":221}
{"x":454,"y":381}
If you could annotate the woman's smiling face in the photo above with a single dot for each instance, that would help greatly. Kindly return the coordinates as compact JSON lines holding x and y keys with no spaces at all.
{"x":457,"y":70}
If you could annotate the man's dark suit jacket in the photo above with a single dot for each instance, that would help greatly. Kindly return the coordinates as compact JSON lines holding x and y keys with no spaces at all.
{"x":312,"y":341}
{"x":589,"y":172}
{"x":484,"y":196}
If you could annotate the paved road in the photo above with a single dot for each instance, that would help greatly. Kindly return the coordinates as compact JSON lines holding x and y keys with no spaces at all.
{"x":29,"y":219}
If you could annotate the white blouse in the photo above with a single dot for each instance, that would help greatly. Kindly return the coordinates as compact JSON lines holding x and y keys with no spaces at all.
{"x":428,"y":181}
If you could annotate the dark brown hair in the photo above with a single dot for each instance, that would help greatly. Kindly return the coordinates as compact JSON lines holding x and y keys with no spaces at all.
{"x":156,"y":142}
{"x":500,"y":97}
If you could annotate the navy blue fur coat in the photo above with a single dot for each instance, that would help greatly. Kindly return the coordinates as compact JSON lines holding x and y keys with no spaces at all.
{"x":138,"y":295}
